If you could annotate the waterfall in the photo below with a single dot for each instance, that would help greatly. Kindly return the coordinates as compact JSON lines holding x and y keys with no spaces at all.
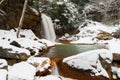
{"x":48,"y":28}
{"x":55,"y":70}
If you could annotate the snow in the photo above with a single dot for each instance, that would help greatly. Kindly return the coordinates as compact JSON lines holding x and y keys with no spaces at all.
{"x":29,"y":40}
{"x":49,"y":77}
{"x":85,"y":40}
{"x":47,"y":42}
{"x":22,"y":70}
{"x":116,"y":71}
{"x":114,"y":46}
{"x":3,"y":74}
{"x":3,"y":63}
{"x":89,"y":31}
{"x":34,"y":10}
{"x":89,"y":8}
{"x":85,"y":62}
{"x":60,"y":3}
{"x":53,"y":77}
{"x":39,"y":61}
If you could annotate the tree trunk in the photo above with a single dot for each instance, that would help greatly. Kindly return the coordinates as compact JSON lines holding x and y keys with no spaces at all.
{"x":22,"y":18}
{"x":1,"y":2}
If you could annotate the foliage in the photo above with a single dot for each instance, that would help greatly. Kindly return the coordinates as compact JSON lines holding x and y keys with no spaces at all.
{"x":64,"y":13}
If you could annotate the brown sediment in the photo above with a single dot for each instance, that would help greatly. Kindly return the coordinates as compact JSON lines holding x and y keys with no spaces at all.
{"x":65,"y":41}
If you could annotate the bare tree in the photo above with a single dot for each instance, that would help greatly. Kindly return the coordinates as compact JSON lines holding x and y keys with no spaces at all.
{"x":1,"y":2}
{"x":22,"y":18}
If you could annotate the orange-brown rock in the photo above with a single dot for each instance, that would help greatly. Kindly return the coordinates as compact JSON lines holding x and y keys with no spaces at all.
{"x":104,"y":36}
{"x":44,"y":73}
{"x":43,"y":68}
{"x":65,"y":41}
{"x":116,"y":57}
{"x":67,"y":71}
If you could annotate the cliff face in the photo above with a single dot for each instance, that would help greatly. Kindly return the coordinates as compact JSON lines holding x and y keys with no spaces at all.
{"x":12,"y":13}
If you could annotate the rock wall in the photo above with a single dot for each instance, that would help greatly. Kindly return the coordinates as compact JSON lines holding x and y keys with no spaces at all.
{"x":13,"y":10}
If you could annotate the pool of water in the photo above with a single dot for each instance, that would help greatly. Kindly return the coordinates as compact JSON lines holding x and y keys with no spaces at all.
{"x":65,"y":50}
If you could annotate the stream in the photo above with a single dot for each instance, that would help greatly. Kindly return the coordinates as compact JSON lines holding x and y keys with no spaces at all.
{"x":65,"y":50}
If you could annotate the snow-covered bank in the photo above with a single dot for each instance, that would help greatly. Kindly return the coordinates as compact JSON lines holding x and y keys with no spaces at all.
{"x":90,"y":30}
{"x":28,"y":41}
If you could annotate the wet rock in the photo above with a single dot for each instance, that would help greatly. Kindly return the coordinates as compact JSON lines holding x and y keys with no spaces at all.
{"x":23,"y":56}
{"x":104,"y":36}
{"x":116,"y":57}
{"x":4,"y":53}
{"x":14,"y":43}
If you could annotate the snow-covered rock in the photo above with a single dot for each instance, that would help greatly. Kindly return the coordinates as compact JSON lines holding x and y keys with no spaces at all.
{"x":91,"y":62}
{"x":3,"y":74}
{"x":3,"y":63}
{"x":21,"y":71}
{"x":48,"y":43}
{"x":91,"y":29}
{"x":114,"y":46}
{"x":42,"y":64}
{"x":116,"y":70}
{"x":27,"y":42}
{"x":49,"y":77}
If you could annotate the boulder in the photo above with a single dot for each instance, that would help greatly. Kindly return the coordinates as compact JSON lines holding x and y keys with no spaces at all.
{"x":3,"y":74}
{"x":104,"y":36}
{"x":96,"y":66}
{"x":116,"y":57}
{"x":21,"y":71}
{"x":43,"y":65}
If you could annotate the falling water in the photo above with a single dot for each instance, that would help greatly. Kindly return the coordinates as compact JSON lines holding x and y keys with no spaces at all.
{"x":55,"y":70}
{"x":48,"y":28}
